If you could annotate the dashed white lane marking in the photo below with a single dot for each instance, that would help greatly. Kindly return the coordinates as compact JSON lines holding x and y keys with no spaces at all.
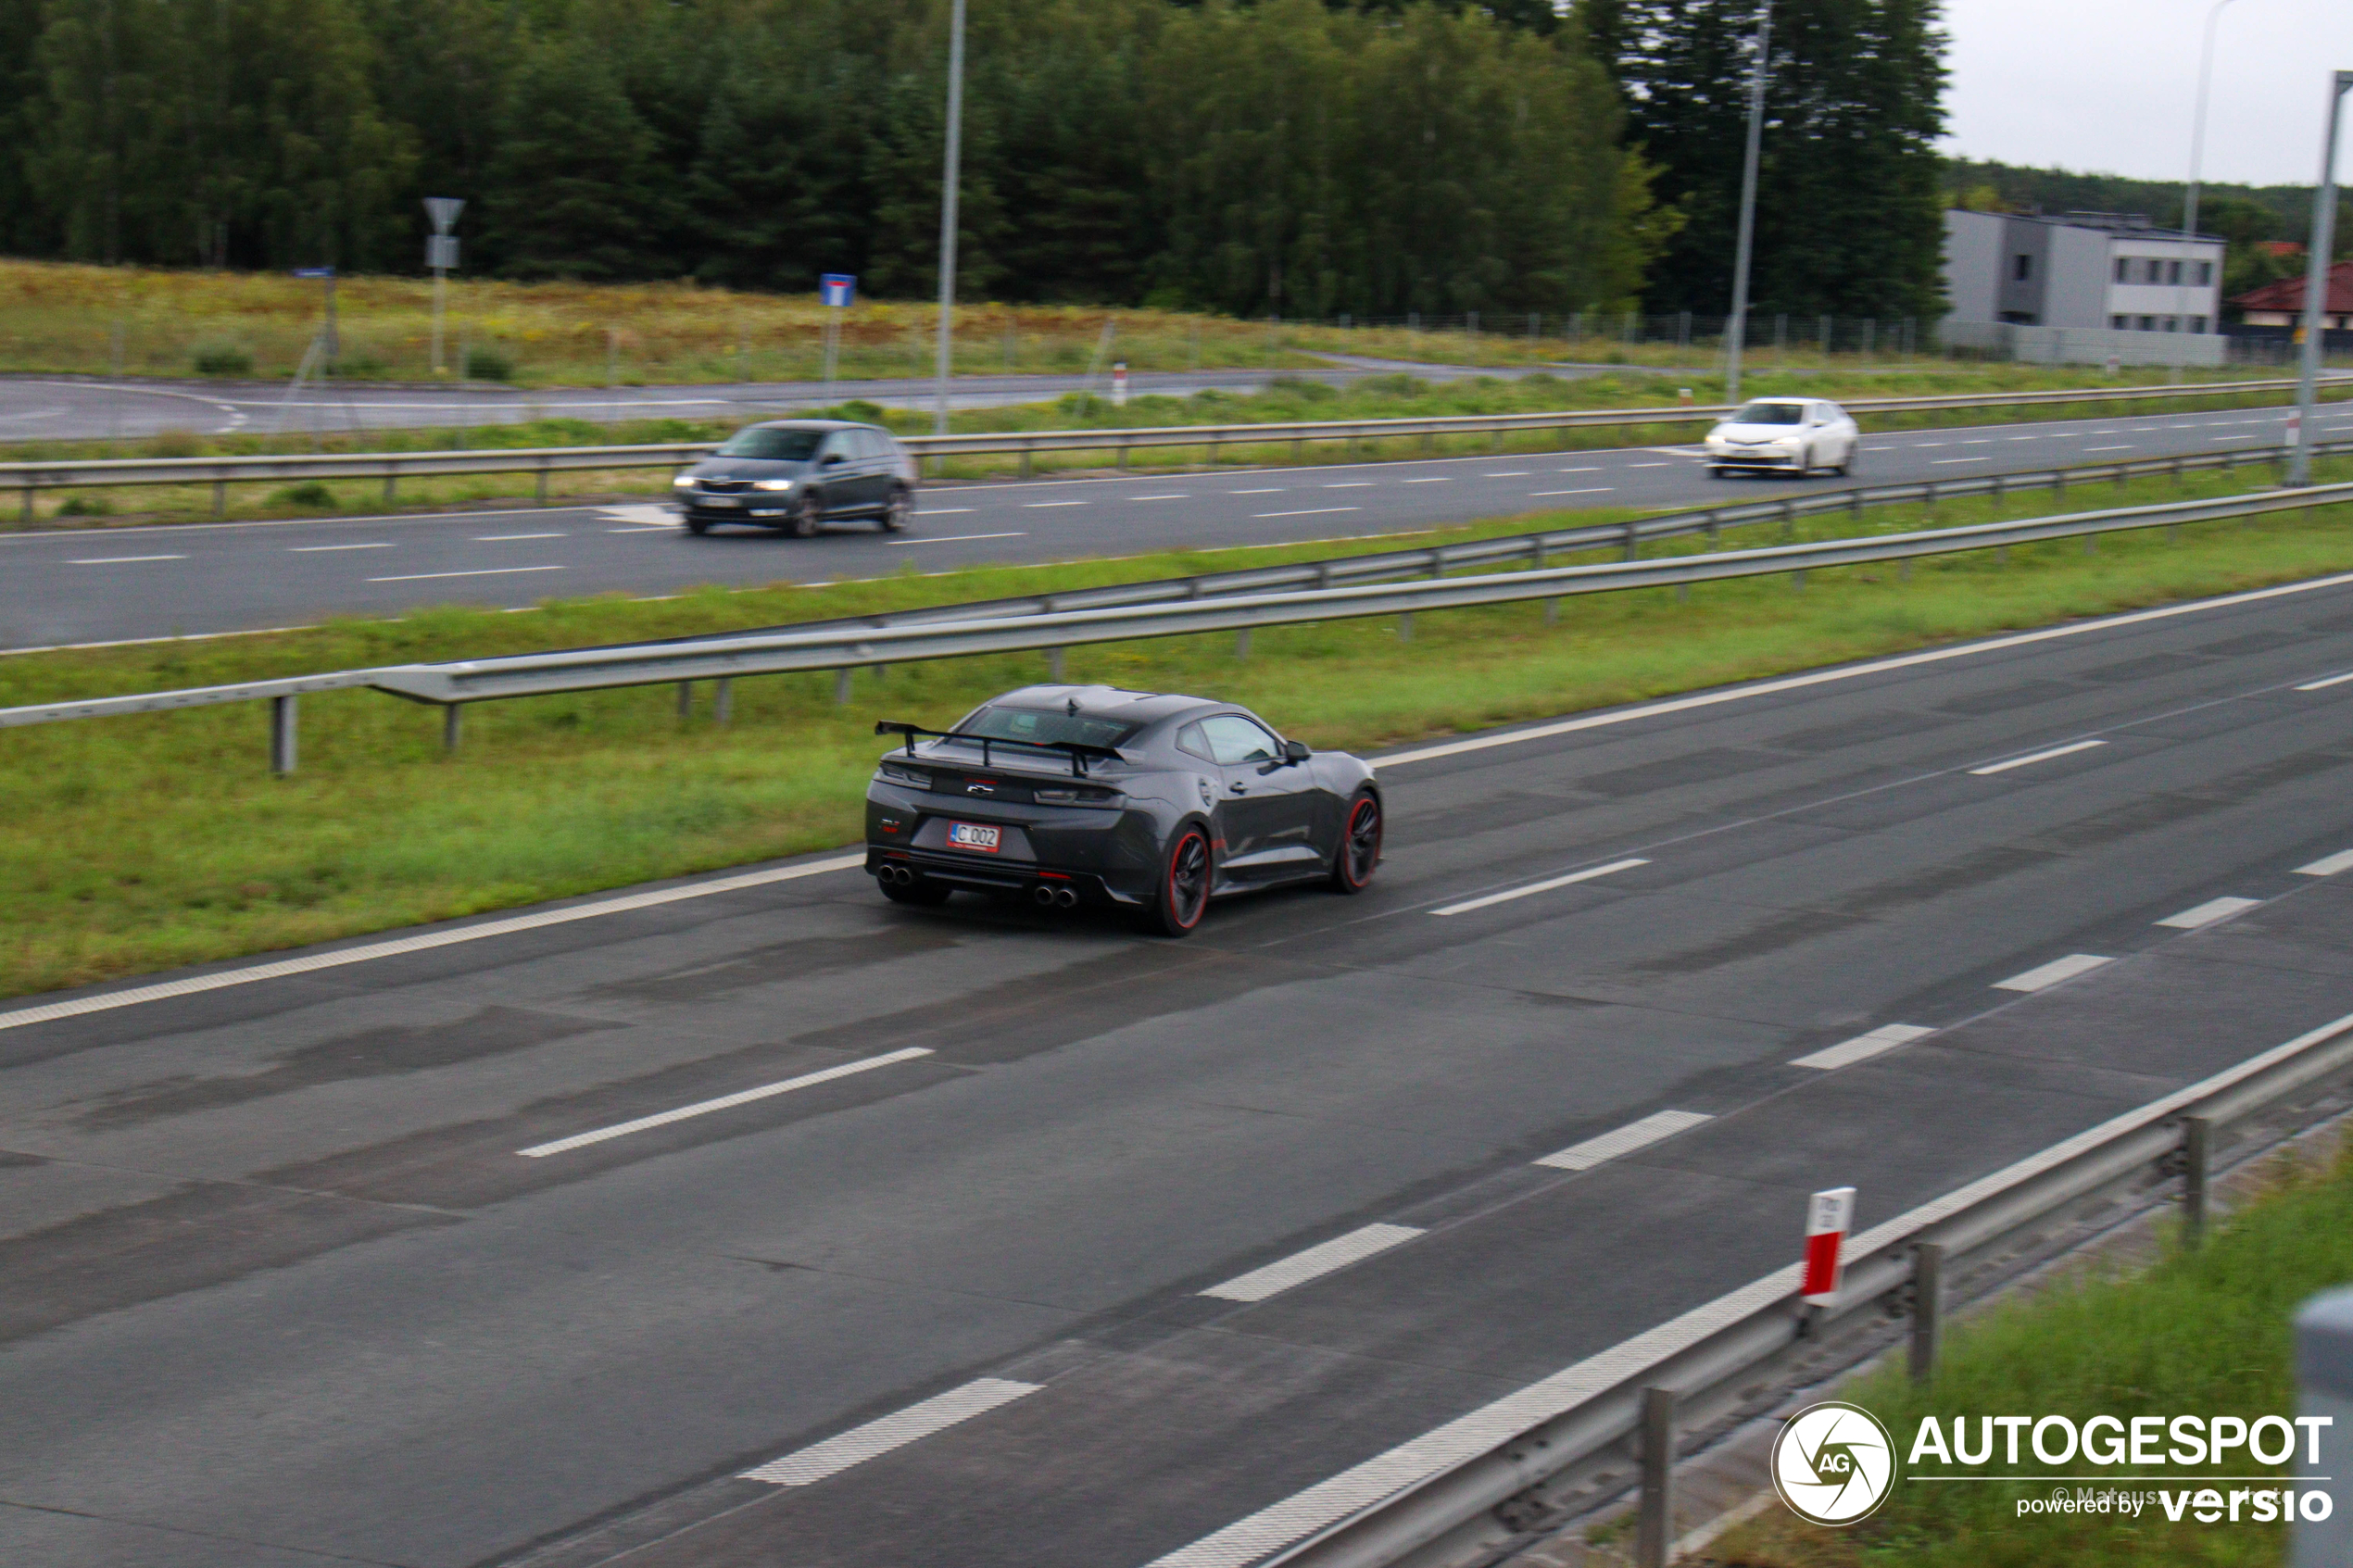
{"x":957,"y":538}
{"x":1033,"y":506}
{"x":1438,"y":479}
{"x":485,"y":572}
{"x":2324,"y":683}
{"x":315,"y":549}
{"x":1886,"y":1037}
{"x":724,"y":1102}
{"x":2205,"y":914}
{"x":2124,"y":446}
{"x":119,"y":561}
{"x":2023,"y":438}
{"x":893,"y":1431}
{"x":508,"y":538}
{"x":1309,"y":511}
{"x":2239,"y":438}
{"x":1588,"y":874}
{"x":2328,"y":865}
{"x":1939,"y":462}
{"x":1268,"y":490}
{"x":79,"y":1006}
{"x":944,"y":511}
{"x":1590,"y":490}
{"x":1514,"y":473}
{"x":1351,"y":484}
{"x":2033,"y":758}
{"x":1300,"y":1267}
{"x":1626,"y":1140}
{"x":1578,"y":470}
{"x":2042,"y":976}
{"x":1185,"y":497}
{"x":642,"y":512}
{"x":658,"y":528}
{"x":1981,"y":441}
{"x":1650,"y":465}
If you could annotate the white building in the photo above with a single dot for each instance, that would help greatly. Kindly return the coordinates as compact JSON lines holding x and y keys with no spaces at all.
{"x":2082,"y":288}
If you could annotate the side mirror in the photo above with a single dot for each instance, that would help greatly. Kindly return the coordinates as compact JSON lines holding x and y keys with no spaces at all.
{"x":1296,"y":751}
{"x":829,"y":459}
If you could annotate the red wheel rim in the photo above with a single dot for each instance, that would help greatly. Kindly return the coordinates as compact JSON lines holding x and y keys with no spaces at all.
{"x":1187,"y":885}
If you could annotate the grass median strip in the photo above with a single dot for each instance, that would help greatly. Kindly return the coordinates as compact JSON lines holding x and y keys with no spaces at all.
{"x":142,"y":843}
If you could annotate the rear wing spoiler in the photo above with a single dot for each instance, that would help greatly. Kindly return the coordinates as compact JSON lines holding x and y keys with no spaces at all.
{"x":1075,"y":753}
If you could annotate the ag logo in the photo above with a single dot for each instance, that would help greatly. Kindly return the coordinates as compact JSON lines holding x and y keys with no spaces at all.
{"x":1833,"y":1464}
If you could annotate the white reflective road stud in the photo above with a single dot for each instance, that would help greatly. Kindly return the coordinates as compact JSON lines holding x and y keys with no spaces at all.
{"x":2045,"y":975}
{"x":1315,"y":1262}
{"x":893,"y":1431}
{"x":2205,"y":914}
{"x":1624,"y":1140}
{"x":1886,"y":1037}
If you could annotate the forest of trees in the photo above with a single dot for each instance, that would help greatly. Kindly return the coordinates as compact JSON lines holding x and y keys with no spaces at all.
{"x":1302,"y":157}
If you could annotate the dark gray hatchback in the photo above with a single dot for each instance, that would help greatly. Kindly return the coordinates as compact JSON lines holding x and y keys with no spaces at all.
{"x":798,"y":476}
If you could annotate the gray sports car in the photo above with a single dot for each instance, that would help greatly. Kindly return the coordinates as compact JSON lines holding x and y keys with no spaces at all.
{"x":1142,"y":801}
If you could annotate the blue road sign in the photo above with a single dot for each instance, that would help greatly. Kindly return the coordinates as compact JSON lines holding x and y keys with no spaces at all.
{"x":837,"y":288}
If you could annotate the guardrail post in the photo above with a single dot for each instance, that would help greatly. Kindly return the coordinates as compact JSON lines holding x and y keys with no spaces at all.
{"x":2001,"y":491}
{"x":1054,"y":665}
{"x":1716,"y":530}
{"x":29,"y":494}
{"x":1241,"y":643}
{"x":1789,"y":519}
{"x":219,"y":499}
{"x":2091,"y":544}
{"x":1927,"y":1309}
{"x":1405,"y":627}
{"x":451,"y":720}
{"x":686,"y":698}
{"x":1025,"y":462}
{"x":841,"y":686}
{"x":1119,"y":458}
{"x":1299,"y":448}
{"x":282,"y":735}
{"x":2058,"y":486}
{"x":723,"y":706}
{"x":2197,"y":1141}
{"x":1655,"y":1526}
{"x":1633,"y":540}
{"x":2180,"y":477}
{"x":540,"y":491}
{"x":2123,"y":476}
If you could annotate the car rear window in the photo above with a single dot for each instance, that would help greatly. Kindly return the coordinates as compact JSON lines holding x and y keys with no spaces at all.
{"x":1045,"y":727}
{"x":1770,"y":414}
{"x":776,"y":446}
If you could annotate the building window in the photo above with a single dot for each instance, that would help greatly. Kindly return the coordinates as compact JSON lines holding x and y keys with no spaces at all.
{"x":2148,"y":323}
{"x":2205,"y":273}
{"x":2172,"y":271}
{"x":2123,"y":268}
{"x":2172,"y":323}
{"x":2155,"y":273}
{"x":2021,"y":267}
{"x":2197,"y":324}
{"x":2119,"y":324}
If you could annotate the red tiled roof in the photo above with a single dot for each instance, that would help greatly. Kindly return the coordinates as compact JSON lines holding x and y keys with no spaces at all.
{"x":2288,"y":294}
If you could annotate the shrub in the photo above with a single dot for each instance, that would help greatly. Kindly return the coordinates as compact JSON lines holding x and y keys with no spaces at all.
{"x":309,"y":492}
{"x":488,"y":364}
{"x":173,"y":444}
{"x":223,"y":359}
{"x":84,"y":506}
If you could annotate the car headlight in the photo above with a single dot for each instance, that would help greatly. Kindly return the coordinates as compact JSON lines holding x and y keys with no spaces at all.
{"x":772,"y":484}
{"x":1785,"y":441}
{"x":915,"y":777}
{"x":684,"y":481}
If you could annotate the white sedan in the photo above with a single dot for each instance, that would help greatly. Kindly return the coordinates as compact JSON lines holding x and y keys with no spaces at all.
{"x":1792,"y":435}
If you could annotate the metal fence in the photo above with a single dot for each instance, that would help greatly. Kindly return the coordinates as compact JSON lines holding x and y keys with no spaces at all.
{"x":1732,"y":1356}
{"x":29,"y":479}
{"x":1227,"y":602}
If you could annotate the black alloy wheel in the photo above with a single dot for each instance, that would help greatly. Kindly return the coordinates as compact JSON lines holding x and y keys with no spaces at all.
{"x":1359,"y":850}
{"x":808,"y":515}
{"x":899,"y":513}
{"x":1846,"y":460}
{"x":1183,"y":896}
{"x":698,"y":524}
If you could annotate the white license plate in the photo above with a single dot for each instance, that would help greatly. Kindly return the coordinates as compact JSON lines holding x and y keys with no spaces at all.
{"x":972,"y":835}
{"x":720,"y":501}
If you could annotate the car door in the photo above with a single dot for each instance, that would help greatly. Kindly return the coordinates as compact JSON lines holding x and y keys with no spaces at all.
{"x":836,"y":472}
{"x":874,"y":469}
{"x":1267,"y":815}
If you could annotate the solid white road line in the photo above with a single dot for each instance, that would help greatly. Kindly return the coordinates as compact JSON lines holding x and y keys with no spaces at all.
{"x":1300,"y":1267}
{"x":893,"y":1431}
{"x":2046,"y":975}
{"x":1626,"y":1140}
{"x":724,"y":1102}
{"x":314,"y":550}
{"x":486,"y":571}
{"x":508,"y":538}
{"x":2329,"y":865}
{"x":1482,"y":1430}
{"x":2324,"y":684}
{"x":80,"y":1006}
{"x":1848,"y":673}
{"x":1310,"y":511}
{"x":955,"y":538}
{"x":2209,"y":912}
{"x":1588,"y":874}
{"x":2035,"y":758}
{"x":1886,"y":1037}
{"x":119,"y":561}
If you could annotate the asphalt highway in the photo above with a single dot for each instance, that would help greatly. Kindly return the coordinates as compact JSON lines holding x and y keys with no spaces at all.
{"x":81,"y":586}
{"x":987,"y":1238}
{"x":96,"y":409}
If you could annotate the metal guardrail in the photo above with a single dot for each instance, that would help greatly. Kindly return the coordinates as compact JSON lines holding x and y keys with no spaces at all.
{"x":1733,"y":1355}
{"x":29,"y":479}
{"x":958,"y":631}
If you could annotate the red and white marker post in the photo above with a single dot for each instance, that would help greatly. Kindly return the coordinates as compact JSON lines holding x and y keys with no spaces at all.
{"x":1827,"y":1214}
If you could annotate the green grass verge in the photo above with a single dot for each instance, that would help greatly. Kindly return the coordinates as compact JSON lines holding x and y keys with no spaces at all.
{"x":139,"y":842}
{"x":1395,"y":397}
{"x":2203,"y":1332}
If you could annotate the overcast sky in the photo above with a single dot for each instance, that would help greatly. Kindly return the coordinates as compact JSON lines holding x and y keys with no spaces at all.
{"x":2108,"y":85}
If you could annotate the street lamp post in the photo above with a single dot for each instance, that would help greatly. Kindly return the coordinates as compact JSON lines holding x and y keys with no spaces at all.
{"x":2197,"y":164}
{"x":2316,"y":285}
{"x":1736,"y":331}
{"x":948,"y":208}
